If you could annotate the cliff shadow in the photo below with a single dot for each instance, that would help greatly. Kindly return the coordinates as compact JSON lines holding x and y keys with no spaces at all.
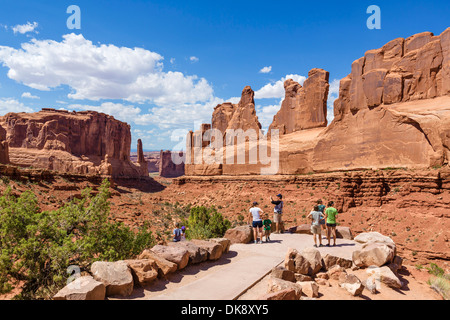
{"x":146,"y":185}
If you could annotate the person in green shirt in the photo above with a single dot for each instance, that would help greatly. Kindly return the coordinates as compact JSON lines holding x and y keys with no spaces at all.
{"x":330,"y":215}
{"x":267,"y":229}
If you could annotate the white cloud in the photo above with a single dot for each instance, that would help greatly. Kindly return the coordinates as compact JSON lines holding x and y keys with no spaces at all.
{"x":12,"y":105}
{"x":101,"y":72}
{"x":126,"y":113}
{"x":276,"y":90}
{"x":266,"y":70}
{"x":29,"y":96}
{"x":172,"y":60}
{"x":194,"y":59}
{"x":24,"y":28}
{"x":266,"y":114}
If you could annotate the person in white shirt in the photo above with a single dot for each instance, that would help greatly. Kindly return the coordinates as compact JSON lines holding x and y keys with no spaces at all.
{"x":257,"y":223}
{"x":316,"y":217}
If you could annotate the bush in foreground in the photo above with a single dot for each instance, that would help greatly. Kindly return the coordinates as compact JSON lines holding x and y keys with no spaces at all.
{"x":38,"y":247}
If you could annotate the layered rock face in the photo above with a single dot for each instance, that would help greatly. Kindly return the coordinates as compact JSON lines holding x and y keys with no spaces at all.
{"x":393,"y":109}
{"x":244,"y":116}
{"x":168,"y":168}
{"x":303,"y":107}
{"x":76,"y":142}
{"x":4,"y":147}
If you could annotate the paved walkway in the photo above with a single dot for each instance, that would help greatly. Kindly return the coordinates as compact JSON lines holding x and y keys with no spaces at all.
{"x":237,"y":271}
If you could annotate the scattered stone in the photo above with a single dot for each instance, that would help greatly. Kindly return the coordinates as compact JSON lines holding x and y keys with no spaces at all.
{"x":309,"y":262}
{"x":116,"y":276}
{"x":286,"y":294}
{"x":335,"y":272}
{"x":331,"y":260}
{"x":302,"y":278}
{"x":83,"y":288}
{"x":323,"y":275}
{"x":352,"y":284}
{"x":275,"y":284}
{"x":310,"y":289}
{"x":323,"y":282}
{"x":283,"y":273}
{"x":371,"y":284}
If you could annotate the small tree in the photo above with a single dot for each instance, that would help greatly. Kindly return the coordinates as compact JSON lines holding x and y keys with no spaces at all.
{"x":206,"y":223}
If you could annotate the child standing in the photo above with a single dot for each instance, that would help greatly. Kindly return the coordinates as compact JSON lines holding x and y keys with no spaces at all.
{"x":267,"y":227}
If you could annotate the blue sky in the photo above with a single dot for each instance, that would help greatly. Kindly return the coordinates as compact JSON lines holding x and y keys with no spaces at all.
{"x":162,"y":66}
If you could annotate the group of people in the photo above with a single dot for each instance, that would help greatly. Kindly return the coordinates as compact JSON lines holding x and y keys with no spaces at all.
{"x":322,"y":218}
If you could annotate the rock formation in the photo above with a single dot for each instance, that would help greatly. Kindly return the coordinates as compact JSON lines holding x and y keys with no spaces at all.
{"x":244,"y":116}
{"x":303,"y":107}
{"x":4,"y":147}
{"x":76,"y":142}
{"x":393,"y":111}
{"x":168,"y":168}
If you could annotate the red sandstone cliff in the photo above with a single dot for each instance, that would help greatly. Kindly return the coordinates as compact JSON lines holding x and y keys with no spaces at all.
{"x":76,"y":142}
{"x":393,"y":111}
{"x":303,"y":107}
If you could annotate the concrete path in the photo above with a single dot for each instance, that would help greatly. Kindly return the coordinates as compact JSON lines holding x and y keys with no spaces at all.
{"x":237,"y":271}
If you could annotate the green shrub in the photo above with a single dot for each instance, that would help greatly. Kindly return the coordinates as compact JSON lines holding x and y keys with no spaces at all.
{"x":206,"y":223}
{"x":38,"y":247}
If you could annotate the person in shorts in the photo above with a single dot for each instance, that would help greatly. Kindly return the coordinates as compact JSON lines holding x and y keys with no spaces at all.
{"x":267,"y":226}
{"x":322,"y":209}
{"x":316,"y":229}
{"x":277,"y":212}
{"x":331,"y":215}
{"x":257,"y":222}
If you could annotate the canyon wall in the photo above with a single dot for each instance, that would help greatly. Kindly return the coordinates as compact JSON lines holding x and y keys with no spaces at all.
{"x":168,"y":168}
{"x":77,"y":142}
{"x":303,"y":107}
{"x":393,"y":111}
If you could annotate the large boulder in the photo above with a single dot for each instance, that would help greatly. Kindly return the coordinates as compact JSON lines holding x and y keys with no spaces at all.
{"x":116,"y":276}
{"x":165,"y":266}
{"x":83,"y":288}
{"x":196,"y":254}
{"x":373,"y":237}
{"x":386,"y":276}
{"x":373,"y":254}
{"x":214,"y":249}
{"x":331,"y":260}
{"x":344,"y":233}
{"x":224,"y":242}
{"x":308,"y":262}
{"x":144,"y":271}
{"x":241,"y":234}
{"x":177,"y":255}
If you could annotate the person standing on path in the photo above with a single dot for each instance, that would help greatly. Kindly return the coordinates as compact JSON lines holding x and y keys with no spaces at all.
{"x":322,"y":207}
{"x":278,"y":211}
{"x":316,"y":216}
{"x":331,"y":215}
{"x":257,"y":223}
{"x":267,"y":226}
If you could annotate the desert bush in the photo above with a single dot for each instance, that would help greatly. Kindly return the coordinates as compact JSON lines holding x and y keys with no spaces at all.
{"x":38,"y":247}
{"x":206,"y":223}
